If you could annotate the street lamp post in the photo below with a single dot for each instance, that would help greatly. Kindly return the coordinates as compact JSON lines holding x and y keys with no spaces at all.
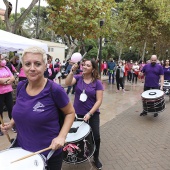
{"x":100,"y":48}
{"x":16,"y":6}
{"x":167,"y":53}
{"x":130,"y":49}
{"x":154,"y":48}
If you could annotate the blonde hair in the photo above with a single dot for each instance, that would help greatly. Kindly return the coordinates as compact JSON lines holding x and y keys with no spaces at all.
{"x":35,"y":50}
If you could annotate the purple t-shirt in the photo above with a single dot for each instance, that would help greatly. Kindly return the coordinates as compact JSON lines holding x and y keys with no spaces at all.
{"x":166,"y":73}
{"x":152,"y":74}
{"x":80,"y":107}
{"x":36,"y":117}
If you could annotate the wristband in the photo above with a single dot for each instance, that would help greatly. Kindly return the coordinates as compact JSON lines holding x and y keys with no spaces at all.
{"x":6,"y":82}
{"x":90,"y":114}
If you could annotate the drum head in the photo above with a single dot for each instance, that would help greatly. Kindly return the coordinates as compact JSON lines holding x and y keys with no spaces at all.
{"x":32,"y":163}
{"x":152,"y":94}
{"x":82,"y":131}
{"x":166,"y":84}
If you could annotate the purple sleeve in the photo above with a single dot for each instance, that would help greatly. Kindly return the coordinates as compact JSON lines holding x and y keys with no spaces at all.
{"x":77,"y":77}
{"x":60,"y":96}
{"x":99,"y":85}
{"x":161,"y":71}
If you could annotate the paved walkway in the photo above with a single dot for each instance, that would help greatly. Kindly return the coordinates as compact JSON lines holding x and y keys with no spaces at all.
{"x":128,"y":141}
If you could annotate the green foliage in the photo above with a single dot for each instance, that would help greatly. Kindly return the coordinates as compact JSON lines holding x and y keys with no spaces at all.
{"x":80,"y":19}
{"x":2,"y":25}
{"x":143,"y":21}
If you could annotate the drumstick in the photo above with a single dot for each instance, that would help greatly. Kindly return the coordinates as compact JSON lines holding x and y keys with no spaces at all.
{"x":7,"y":135}
{"x":32,"y":154}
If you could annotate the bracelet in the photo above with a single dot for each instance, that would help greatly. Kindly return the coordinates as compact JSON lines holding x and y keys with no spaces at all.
{"x":90,"y":114}
{"x":5,"y":82}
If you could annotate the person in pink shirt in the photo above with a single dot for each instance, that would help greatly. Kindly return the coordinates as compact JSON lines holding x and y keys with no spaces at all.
{"x":6,"y":80}
{"x":21,"y":74}
{"x":104,"y":68}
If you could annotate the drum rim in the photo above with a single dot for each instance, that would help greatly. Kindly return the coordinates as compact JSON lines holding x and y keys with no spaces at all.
{"x":90,"y":130}
{"x":153,"y":91}
{"x":15,"y":148}
{"x":80,"y":138}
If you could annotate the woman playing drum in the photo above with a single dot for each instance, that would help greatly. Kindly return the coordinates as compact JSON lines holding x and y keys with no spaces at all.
{"x":88,"y":98}
{"x":36,"y":112}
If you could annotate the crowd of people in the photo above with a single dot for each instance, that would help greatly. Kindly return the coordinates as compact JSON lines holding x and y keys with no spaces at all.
{"x":39,"y":91}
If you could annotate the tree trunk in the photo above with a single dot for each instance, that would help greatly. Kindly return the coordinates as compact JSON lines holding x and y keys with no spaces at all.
{"x":12,"y":27}
{"x":71,"y":44}
{"x":144,"y":49}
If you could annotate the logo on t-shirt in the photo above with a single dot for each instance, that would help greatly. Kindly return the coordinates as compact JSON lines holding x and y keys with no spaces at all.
{"x":37,"y":107}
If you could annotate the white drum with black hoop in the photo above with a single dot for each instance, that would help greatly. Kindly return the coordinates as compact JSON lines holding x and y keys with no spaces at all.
{"x":35,"y":162}
{"x":166,"y":87}
{"x":153,"y":100}
{"x":80,"y":145}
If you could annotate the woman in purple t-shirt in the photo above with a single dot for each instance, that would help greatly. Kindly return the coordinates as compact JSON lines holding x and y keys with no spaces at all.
{"x":36,"y":112}
{"x":166,"y":69}
{"x":88,"y":98}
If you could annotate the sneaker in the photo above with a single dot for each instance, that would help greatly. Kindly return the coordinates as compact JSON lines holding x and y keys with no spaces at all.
{"x":155,"y":115}
{"x":143,"y":114}
{"x":97,"y":164}
{"x":123,"y":90}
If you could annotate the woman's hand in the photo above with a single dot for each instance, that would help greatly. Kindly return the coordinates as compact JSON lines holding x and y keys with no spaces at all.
{"x":57,"y":143}
{"x":74,"y":67}
{"x":86,"y":117}
{"x":6,"y":127}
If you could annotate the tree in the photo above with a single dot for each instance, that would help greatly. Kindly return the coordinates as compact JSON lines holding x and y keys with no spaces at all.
{"x":78,"y":20}
{"x":142,"y":23}
{"x":12,"y":27}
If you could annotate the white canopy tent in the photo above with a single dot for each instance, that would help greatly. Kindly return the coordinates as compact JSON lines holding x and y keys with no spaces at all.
{"x":12,"y":42}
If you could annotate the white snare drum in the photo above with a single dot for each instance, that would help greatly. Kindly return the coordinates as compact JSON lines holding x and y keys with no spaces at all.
{"x":32,"y":163}
{"x":166,"y":87}
{"x":80,"y":146}
{"x":153,"y":100}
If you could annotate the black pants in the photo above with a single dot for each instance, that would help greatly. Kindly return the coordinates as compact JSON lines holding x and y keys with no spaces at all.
{"x":134,"y":78}
{"x":8,"y":101}
{"x":119,"y":81}
{"x":129,"y":76}
{"x":105,"y":72}
{"x":55,"y":163}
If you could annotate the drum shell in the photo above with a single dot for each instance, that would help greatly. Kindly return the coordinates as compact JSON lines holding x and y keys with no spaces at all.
{"x":154,"y":105}
{"x":86,"y":149}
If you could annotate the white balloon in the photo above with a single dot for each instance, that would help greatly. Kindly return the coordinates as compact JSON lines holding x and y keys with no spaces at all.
{"x":76,"y":57}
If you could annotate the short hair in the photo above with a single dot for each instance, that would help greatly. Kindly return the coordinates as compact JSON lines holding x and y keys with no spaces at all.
{"x":35,"y":50}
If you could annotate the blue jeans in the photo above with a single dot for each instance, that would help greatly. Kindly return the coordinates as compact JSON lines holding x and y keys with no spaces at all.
{"x":111,"y":75}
